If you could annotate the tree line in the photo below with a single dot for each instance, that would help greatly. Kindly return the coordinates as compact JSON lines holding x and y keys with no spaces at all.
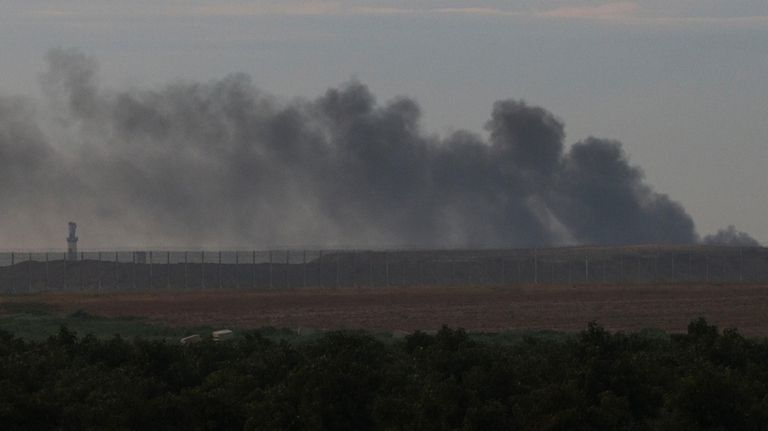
{"x":705,"y":379}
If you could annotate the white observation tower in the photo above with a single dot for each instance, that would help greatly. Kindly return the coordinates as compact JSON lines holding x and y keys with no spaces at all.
{"x":72,"y":241}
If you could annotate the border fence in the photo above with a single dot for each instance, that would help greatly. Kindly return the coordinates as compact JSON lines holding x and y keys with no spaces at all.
{"x":28,"y":272}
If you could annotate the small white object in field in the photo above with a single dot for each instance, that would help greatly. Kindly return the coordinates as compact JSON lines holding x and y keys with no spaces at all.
{"x":223,"y":334}
{"x":192,"y":339}
{"x":305,"y":331}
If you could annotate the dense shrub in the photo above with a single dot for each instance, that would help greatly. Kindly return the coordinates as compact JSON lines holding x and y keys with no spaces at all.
{"x":705,"y":379}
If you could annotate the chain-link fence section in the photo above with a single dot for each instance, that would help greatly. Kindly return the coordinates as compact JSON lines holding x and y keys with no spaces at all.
{"x":23,"y":272}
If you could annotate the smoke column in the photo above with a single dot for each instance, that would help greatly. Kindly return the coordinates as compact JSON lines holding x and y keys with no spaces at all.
{"x":732,"y":237}
{"x":223,"y":164}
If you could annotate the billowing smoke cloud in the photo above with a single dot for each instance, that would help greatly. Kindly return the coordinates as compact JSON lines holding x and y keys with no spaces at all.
{"x":223,"y":164}
{"x":732,"y":237}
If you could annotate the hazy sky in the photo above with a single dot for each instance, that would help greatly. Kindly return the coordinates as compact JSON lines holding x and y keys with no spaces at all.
{"x":682,"y":83}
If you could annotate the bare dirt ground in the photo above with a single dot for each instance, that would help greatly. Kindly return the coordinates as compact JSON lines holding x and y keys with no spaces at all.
{"x":561,"y":307}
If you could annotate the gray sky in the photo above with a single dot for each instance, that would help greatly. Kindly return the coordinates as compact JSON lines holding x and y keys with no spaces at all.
{"x":682,"y":83}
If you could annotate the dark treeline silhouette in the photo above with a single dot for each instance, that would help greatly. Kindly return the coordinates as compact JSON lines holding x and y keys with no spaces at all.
{"x":596,"y":380}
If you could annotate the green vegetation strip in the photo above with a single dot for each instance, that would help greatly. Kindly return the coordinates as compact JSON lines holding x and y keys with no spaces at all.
{"x":38,"y":321}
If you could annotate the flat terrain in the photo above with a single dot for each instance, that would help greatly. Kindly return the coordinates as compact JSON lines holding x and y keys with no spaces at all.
{"x":555,"y":307}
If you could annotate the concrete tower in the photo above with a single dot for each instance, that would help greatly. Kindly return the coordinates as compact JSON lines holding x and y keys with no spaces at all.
{"x":72,"y":242}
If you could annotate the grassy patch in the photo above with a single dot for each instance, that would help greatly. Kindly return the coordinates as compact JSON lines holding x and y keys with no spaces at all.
{"x":39,"y":326}
{"x":37,"y":321}
{"x":32,"y":322}
{"x":33,"y":308}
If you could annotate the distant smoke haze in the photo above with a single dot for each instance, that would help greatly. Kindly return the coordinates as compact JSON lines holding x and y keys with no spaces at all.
{"x":731,"y":236}
{"x":222,"y":164}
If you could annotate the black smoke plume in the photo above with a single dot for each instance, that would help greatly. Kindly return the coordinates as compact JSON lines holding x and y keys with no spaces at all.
{"x":730,"y":236}
{"x":223,"y":164}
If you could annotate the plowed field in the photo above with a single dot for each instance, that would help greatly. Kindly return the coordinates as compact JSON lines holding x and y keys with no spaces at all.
{"x":561,"y":307}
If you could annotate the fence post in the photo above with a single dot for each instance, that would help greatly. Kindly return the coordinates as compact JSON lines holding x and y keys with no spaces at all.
{"x":503,"y":271}
{"x":237,"y":270}
{"x":270,"y":269}
{"x":218,"y":276}
{"x":288,"y":269}
{"x":371,"y":281}
{"x":419,"y":277}
{"x":674,"y":270}
{"x":29,"y":274}
{"x":586,"y":269}
{"x":453,"y":271}
{"x":605,"y":269}
{"x":82,"y":270}
{"x":99,"y":286}
{"x":338,"y":269}
{"x":319,"y":271}
{"x":46,"y":271}
{"x":489,"y":269}
{"x":690,"y":266}
{"x":706,"y":267}
{"x":552,"y":271}
{"x":386,"y":269}
{"x":167,"y":269}
{"x":621,"y":269}
{"x":470,"y":268}
{"x":741,"y":264}
{"x":13,"y":280}
{"x":353,"y":268}
{"x":402,"y":271}
{"x":66,"y":272}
